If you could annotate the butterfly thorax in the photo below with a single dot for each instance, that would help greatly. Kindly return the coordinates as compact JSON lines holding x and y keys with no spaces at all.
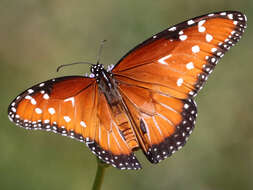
{"x":108,"y":86}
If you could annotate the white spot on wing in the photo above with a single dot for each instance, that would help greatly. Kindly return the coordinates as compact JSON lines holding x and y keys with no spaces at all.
{"x":72,"y":99}
{"x":209,"y":37}
{"x":45,"y":96}
{"x":83,"y":124}
{"x":30,"y":91}
{"x":181,"y":32}
{"x":195,"y":49}
{"x":38,"y":110}
{"x":67,"y":118}
{"x":51,"y":111}
{"x":180,"y":82}
{"x":33,"y":101}
{"x":214,"y":50}
{"x":42,"y":84}
{"x":172,"y":29}
{"x":162,"y":60}
{"x":201,"y":28}
{"x":230,"y":16}
{"x":189,"y":65}
{"x":28,"y":97}
{"x":190,"y":22}
{"x":183,"y":37}
{"x":213,"y":60}
{"x":46,"y":121}
{"x":201,"y":22}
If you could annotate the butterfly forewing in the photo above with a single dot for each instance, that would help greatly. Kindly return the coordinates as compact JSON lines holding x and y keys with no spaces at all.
{"x":181,"y":57}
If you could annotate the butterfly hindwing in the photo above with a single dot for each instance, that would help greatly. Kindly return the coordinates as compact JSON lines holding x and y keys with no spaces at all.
{"x":111,"y":136}
{"x":164,"y":122}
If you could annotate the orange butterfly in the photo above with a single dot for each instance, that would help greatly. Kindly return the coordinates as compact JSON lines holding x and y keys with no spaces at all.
{"x":145,"y":101}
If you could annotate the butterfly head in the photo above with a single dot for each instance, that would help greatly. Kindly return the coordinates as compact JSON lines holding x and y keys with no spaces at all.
{"x":97,"y":69}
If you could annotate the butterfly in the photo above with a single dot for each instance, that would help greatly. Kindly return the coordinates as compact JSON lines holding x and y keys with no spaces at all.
{"x":146,"y":101}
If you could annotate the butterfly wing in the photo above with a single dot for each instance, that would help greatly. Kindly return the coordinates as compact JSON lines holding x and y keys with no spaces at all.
{"x":164,"y":122}
{"x":159,"y":78}
{"x":179,"y":59}
{"x":69,"y":106}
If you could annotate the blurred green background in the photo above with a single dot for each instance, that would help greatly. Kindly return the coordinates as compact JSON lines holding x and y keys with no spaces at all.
{"x":37,"y":36}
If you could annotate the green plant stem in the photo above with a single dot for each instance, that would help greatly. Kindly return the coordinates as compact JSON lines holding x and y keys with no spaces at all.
{"x":99,"y":175}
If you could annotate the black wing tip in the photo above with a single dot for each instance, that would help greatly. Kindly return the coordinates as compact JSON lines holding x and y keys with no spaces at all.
{"x":158,"y":152}
{"x":239,"y":21}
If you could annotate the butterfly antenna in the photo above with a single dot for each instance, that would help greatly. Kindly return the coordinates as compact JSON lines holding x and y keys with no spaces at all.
{"x":98,"y":58}
{"x":100,"y":50}
{"x":76,"y":63}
